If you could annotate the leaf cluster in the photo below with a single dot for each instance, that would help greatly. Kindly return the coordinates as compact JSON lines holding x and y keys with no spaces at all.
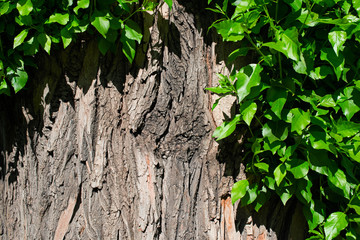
{"x":300,"y":100}
{"x":28,"y":26}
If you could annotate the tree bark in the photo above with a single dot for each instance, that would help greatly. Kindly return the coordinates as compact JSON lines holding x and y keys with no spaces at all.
{"x":96,"y":148}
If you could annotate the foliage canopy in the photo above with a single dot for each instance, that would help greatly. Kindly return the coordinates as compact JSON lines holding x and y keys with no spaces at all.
{"x":300,"y":98}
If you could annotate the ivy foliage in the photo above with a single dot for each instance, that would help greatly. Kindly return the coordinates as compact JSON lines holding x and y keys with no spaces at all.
{"x":28,"y":26}
{"x":299,"y":99}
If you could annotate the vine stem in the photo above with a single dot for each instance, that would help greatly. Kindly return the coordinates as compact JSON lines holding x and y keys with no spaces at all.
{"x":254,"y":45}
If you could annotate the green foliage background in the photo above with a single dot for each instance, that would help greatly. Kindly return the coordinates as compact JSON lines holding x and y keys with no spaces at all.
{"x":300,"y":99}
{"x":28,"y":26}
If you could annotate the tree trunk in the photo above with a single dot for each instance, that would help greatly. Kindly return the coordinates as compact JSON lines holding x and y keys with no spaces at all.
{"x":96,"y":148}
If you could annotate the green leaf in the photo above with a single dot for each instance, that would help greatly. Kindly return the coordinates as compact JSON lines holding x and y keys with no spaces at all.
{"x":295,"y":4}
{"x":288,"y":44}
{"x":299,"y":119}
{"x":104,"y":46}
{"x":334,"y":224}
{"x":314,"y":213}
{"x":45,"y":42}
{"x":299,"y":168}
{"x":347,"y":128}
{"x":336,"y":61}
{"x":230,"y":30}
{"x":19,"y":39}
{"x":24,"y":7}
{"x":318,"y":138}
{"x":247,"y":78}
{"x":327,"y":101}
{"x":355,"y":204}
{"x":81,"y":4}
{"x":279,"y":173}
{"x":276,"y":97}
{"x":4,"y":88}
{"x":349,"y":108}
{"x":239,"y":189}
{"x":237,"y":53}
{"x":133,"y":31}
{"x":169,"y":3}
{"x":219,"y":90}
{"x":226,"y":128}
{"x":262,"y":166}
{"x":320,"y":161}
{"x":248,"y":110}
{"x":102,"y":24}
{"x":356,"y":6}
{"x":62,"y":19}
{"x":18,"y":77}
{"x":128,"y":47}
{"x":66,"y":37}
{"x":337,"y":39}
{"x":339,"y":184}
{"x":250,"y":195}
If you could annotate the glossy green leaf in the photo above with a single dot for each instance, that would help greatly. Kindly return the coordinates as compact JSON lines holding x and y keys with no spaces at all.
{"x":336,"y":61}
{"x":81,"y":4}
{"x":318,"y":138}
{"x":24,"y":7}
{"x":128,"y":47}
{"x":295,"y":4}
{"x":62,"y":19}
{"x":4,"y":88}
{"x":250,"y":195}
{"x":18,"y":78}
{"x":356,"y":6}
{"x":334,"y":224}
{"x":288,"y":44}
{"x":248,"y":110}
{"x":347,"y":128}
{"x":349,"y":108}
{"x":102,"y":24}
{"x":327,"y":101}
{"x":238,"y":53}
{"x":314,"y":213}
{"x":247,"y":78}
{"x":19,"y":39}
{"x":276,"y":97}
{"x":230,"y":30}
{"x":262,"y":166}
{"x":338,"y":182}
{"x":226,"y":128}
{"x":299,"y":119}
{"x":219,"y":90}
{"x":133,"y":31}
{"x":239,"y":189}
{"x":279,"y":173}
{"x":299,"y":168}
{"x":66,"y":37}
{"x":355,"y":204}
{"x":337,"y":39}
{"x":45,"y":42}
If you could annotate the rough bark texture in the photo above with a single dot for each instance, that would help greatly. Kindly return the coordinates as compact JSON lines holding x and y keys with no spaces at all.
{"x":96,"y":149}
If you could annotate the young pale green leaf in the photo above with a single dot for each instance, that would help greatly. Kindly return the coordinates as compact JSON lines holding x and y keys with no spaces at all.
{"x":226,"y":128}
{"x":247,"y":78}
{"x":45,"y":42}
{"x":81,"y":4}
{"x":337,"y":38}
{"x":133,"y":31}
{"x":219,"y":90}
{"x":334,"y":224}
{"x":24,"y":7}
{"x":169,"y":3}
{"x":248,"y":110}
{"x":102,"y":24}
{"x":262,"y":166}
{"x":19,"y":39}
{"x":60,"y":18}
{"x":239,"y":189}
{"x":299,"y":120}
{"x":279,"y":173}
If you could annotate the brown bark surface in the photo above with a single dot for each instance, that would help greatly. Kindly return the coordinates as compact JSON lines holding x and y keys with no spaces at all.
{"x":99,"y":149}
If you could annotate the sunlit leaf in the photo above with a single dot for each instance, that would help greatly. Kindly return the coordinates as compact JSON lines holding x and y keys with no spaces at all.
{"x":334,"y":224}
{"x":239,"y":189}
